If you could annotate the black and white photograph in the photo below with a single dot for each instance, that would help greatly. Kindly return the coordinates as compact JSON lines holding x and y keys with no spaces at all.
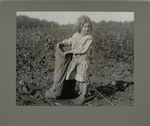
{"x":74,"y":58}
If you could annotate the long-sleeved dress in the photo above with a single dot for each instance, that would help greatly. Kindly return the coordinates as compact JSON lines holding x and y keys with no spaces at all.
{"x":80,"y":46}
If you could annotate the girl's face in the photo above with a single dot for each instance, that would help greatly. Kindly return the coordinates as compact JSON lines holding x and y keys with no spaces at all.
{"x":85,"y":29}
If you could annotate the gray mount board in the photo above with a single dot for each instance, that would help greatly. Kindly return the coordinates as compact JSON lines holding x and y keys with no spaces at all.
{"x":12,"y":115}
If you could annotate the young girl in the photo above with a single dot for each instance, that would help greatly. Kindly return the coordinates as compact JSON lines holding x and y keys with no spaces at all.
{"x":80,"y":43}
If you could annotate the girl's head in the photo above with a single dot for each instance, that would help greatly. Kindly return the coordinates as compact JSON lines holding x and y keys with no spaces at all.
{"x":83,"y":24}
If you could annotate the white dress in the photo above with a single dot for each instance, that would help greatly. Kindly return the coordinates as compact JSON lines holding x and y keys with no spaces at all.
{"x":78,"y":67}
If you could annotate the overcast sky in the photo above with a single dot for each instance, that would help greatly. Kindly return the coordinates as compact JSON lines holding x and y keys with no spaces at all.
{"x":71,"y":17}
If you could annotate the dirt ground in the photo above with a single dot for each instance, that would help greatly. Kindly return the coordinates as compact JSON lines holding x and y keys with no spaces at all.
{"x":113,"y":86}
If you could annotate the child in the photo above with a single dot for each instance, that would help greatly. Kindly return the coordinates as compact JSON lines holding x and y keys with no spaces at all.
{"x":80,"y":43}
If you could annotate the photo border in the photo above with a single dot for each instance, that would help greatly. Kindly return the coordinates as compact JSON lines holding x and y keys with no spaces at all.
{"x":13,"y":115}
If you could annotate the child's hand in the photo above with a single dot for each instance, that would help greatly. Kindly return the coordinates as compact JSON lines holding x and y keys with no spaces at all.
{"x":64,"y":53}
{"x":60,"y":44}
{"x":57,"y":45}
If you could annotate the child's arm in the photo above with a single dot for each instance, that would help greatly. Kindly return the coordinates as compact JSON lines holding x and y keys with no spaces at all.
{"x":82,"y":48}
{"x":65,"y":42}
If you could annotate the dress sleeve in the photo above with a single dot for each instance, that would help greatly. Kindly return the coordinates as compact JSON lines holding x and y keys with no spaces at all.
{"x":84,"y":46}
{"x":69,"y":41}
{"x":72,"y":38}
